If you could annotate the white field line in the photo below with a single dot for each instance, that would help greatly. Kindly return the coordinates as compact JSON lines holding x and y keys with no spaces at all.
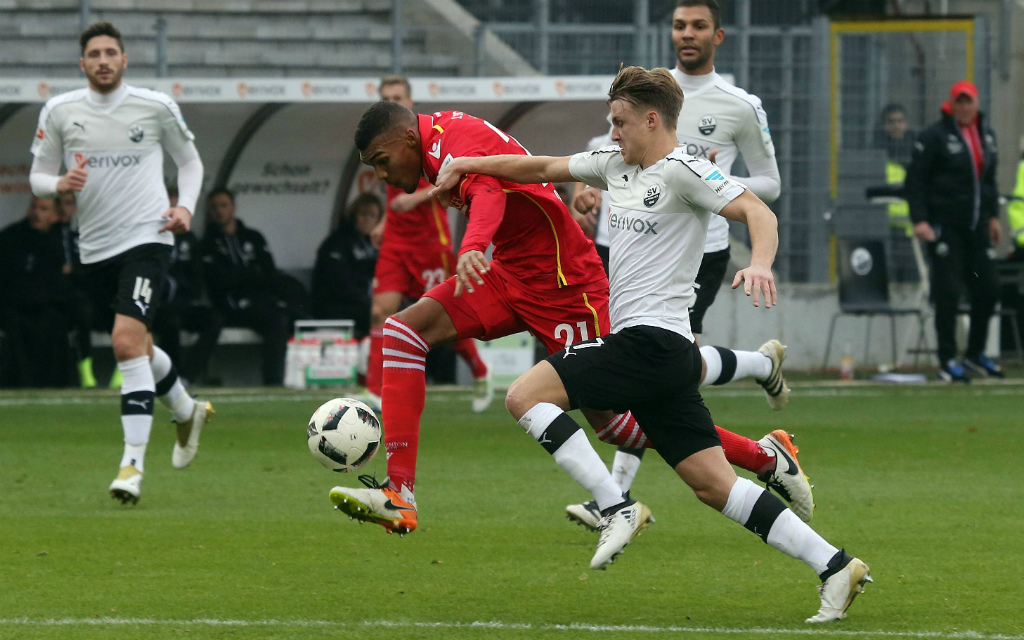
{"x":451,"y":393}
{"x":596,"y":628}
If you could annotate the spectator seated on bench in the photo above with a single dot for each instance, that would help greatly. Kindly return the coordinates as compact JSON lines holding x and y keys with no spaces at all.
{"x":185,"y":307}
{"x":245,"y":285}
{"x":34,"y":300}
{"x":345,"y":263}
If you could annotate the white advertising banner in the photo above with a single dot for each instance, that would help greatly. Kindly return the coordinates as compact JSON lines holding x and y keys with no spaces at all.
{"x":351,"y":90}
{"x":287,"y":177}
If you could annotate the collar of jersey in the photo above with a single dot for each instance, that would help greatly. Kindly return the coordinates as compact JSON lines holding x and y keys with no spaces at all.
{"x":696,"y":84}
{"x":109,"y":100}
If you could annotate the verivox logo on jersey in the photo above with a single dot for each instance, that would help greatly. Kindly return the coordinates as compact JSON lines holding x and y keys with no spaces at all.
{"x":630,"y":223}
{"x":111,"y":162}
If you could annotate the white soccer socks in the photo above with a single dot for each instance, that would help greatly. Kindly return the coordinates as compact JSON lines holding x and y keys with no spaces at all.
{"x":169,"y":389}
{"x":625,"y":466}
{"x":767,"y":516}
{"x":725,"y":365}
{"x":568,"y":445}
{"x":137,"y":395}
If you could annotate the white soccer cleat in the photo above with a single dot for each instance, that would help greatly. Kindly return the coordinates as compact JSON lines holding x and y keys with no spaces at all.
{"x":188,"y":432}
{"x":788,"y":480}
{"x":127,"y":487}
{"x":837,"y":593}
{"x":483,"y":392}
{"x":378,"y":503}
{"x":617,"y":531}
{"x":775,"y":387}
{"x":585,"y":513}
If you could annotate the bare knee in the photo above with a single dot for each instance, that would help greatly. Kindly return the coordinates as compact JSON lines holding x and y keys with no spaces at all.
{"x":518,"y":401}
{"x":383,"y":305}
{"x":378,"y":314}
{"x":709,"y":475}
{"x":429,"y":320}
{"x":128,"y":344}
{"x":712,"y":497}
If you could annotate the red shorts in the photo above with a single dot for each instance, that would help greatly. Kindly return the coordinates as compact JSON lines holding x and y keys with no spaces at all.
{"x":411,"y":270}
{"x":503,"y":306}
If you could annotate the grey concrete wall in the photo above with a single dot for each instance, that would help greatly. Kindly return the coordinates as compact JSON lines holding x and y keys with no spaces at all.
{"x":801,"y":321}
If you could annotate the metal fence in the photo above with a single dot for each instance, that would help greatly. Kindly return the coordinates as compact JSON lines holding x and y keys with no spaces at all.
{"x":769,"y":50}
{"x":781,"y":52}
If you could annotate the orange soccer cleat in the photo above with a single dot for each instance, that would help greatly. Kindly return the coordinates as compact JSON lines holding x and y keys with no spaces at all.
{"x":378,"y":503}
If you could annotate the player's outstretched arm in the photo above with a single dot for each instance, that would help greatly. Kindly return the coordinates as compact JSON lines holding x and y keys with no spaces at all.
{"x":764,"y":240}
{"x":513,"y":168}
{"x":408,"y":201}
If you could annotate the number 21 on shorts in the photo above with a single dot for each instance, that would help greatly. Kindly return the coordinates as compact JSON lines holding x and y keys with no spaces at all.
{"x":566,"y":329}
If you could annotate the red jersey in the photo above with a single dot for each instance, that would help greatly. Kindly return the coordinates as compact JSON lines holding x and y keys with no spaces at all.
{"x":533,"y":234}
{"x":425,"y":226}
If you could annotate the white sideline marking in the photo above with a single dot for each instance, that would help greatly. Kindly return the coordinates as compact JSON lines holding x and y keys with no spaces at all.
{"x":458,"y":394}
{"x":575,"y":626}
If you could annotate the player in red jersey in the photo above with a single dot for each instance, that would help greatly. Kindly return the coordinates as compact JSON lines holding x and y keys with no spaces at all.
{"x":416,"y":253}
{"x":545,"y":277}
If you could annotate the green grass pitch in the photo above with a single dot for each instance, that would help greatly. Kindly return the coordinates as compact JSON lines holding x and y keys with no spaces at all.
{"x":926,"y":484}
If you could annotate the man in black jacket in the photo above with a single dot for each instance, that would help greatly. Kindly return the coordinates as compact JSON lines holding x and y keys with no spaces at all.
{"x":345,"y":263}
{"x":243,"y":281}
{"x":33,"y":298}
{"x":954,"y":207}
{"x":184,"y":306}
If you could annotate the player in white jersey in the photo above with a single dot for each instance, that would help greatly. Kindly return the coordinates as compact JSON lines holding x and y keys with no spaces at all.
{"x":649,"y":363}
{"x":111,"y":137}
{"x":718,"y":122}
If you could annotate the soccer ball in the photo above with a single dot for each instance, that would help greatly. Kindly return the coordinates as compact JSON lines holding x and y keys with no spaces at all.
{"x":343,"y":434}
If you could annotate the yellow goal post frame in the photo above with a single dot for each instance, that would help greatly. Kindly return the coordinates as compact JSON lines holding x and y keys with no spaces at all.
{"x":841,"y":27}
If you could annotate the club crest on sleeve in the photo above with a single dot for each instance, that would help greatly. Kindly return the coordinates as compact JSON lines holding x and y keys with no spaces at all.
{"x":652,"y":195}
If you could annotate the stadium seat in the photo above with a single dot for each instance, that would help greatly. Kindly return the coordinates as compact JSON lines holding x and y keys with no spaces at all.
{"x":864,"y":291}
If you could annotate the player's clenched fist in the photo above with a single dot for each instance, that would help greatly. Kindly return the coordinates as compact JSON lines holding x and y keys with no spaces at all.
{"x":447,"y":178}
{"x":74,"y":180}
{"x":587,"y":201}
{"x":179,"y":220}
{"x":469,"y":271}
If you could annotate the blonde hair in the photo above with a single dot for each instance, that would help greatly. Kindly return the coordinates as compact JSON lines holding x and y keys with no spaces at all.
{"x":655,"y":89}
{"x":388,"y":81}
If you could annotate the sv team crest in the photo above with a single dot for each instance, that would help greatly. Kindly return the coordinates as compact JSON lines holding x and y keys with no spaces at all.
{"x":707,"y":125}
{"x":652,"y":195}
{"x":135,"y":133}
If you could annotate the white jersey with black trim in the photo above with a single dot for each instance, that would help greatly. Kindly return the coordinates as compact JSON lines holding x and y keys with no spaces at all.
{"x":601,"y":231}
{"x":658,"y":222}
{"x":718,"y":115}
{"x":123,"y":135}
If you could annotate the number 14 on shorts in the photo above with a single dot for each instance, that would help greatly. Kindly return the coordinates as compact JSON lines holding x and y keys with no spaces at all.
{"x":142,"y":294}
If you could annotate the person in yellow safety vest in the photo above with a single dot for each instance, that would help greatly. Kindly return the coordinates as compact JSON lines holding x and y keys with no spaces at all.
{"x":1015,"y":214}
{"x":899,"y":145}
